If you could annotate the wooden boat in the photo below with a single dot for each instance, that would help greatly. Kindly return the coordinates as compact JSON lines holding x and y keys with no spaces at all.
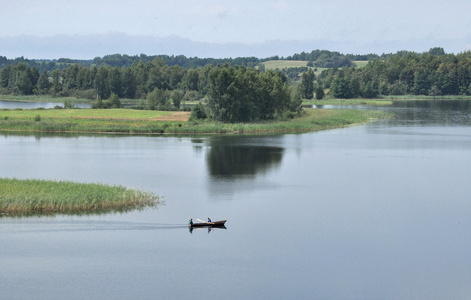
{"x":212,"y":224}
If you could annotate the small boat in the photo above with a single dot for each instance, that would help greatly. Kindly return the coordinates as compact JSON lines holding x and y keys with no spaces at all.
{"x":212,"y":224}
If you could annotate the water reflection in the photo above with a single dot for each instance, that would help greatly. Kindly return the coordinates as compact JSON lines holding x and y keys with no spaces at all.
{"x":63,"y":135}
{"x":208,"y":228}
{"x":434,"y":112}
{"x":233,"y":160}
{"x":420,"y":112}
{"x":33,"y":105}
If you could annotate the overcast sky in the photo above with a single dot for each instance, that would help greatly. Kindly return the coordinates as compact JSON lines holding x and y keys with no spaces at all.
{"x":229,"y":28}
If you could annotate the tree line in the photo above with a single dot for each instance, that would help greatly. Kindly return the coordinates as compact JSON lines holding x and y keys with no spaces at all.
{"x":231,"y":93}
{"x":100,"y":82}
{"x":432,"y":73}
{"x":126,"y":61}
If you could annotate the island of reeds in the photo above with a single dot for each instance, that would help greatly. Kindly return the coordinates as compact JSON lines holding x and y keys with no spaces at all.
{"x":42,"y":197}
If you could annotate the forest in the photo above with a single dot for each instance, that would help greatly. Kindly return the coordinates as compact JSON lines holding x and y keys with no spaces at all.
{"x":165,"y":81}
{"x":432,"y":73}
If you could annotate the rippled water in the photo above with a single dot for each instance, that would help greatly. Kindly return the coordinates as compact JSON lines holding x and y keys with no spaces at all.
{"x":379,"y":211}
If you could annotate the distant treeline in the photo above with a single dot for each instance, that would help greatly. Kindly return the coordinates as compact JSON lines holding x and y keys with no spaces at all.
{"x":99,"y":82}
{"x":316,"y":58}
{"x":321,"y":58}
{"x":127,"y":61}
{"x":431,"y":73}
{"x":135,"y":77}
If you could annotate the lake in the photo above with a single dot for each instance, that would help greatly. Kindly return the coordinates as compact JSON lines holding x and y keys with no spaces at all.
{"x":379,"y":211}
{"x":32,"y":105}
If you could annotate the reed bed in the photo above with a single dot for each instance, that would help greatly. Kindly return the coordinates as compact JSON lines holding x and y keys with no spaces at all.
{"x":310,"y":120}
{"x":29,"y":197}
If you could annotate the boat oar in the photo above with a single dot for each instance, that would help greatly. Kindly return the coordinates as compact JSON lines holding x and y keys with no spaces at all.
{"x":202,"y":220}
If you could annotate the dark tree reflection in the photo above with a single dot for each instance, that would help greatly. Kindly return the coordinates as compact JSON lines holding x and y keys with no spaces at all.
{"x":233,"y":160}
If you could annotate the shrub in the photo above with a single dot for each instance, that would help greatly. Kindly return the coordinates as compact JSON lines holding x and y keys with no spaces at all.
{"x":198,"y":112}
{"x":37,"y":118}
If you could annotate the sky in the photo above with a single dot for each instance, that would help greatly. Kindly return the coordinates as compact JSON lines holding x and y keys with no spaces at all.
{"x":229,"y":28}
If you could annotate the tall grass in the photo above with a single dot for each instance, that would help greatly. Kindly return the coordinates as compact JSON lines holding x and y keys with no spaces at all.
{"x":25,"y":197}
{"x":310,"y":120}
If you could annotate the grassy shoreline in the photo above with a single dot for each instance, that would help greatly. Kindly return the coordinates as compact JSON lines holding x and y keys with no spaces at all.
{"x":133,"y":122}
{"x":355,"y":101}
{"x":30,"y":197}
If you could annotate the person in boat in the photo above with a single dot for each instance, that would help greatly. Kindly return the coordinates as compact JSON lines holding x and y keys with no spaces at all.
{"x":209,"y":220}
{"x":190,"y":222}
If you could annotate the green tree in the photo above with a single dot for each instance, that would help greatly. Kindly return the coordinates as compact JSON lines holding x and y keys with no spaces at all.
{"x":70,"y":77}
{"x":190,"y":80}
{"x":102,"y":85}
{"x":114,"y":101}
{"x":5,"y":75}
{"x":23,"y":83}
{"x":341,"y":87}
{"x":128,"y":84}
{"x":307,"y":84}
{"x":177,"y":97}
{"x":437,"y":51}
{"x":56,"y":81}
{"x":239,"y":94}
{"x":43,"y":83}
{"x":421,"y":82}
{"x":159,"y":99}
{"x":320,"y":92}
{"x":115,"y":81}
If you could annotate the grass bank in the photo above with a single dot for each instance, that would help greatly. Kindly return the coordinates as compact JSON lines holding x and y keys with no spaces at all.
{"x":84,"y":120}
{"x":418,"y":97}
{"x":27,"y":197}
{"x":356,"y":101}
{"x":126,"y":121}
{"x":310,"y":120}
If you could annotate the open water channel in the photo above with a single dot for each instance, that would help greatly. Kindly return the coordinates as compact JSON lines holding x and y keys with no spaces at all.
{"x":380,"y":211}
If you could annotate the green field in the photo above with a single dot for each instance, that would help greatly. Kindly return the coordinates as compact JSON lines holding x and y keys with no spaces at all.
{"x":360,"y":63}
{"x":125,"y":114}
{"x":281,"y":64}
{"x":143,"y":122}
{"x":126,"y":121}
{"x":26,"y":197}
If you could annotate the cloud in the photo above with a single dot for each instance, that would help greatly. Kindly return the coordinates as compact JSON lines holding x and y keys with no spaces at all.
{"x":90,"y":46}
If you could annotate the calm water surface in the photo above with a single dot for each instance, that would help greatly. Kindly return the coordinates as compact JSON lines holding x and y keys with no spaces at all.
{"x":32,"y":105}
{"x":380,"y":211}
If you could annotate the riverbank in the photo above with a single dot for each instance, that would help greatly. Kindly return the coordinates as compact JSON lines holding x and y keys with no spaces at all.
{"x":348,"y":102}
{"x":385,"y":100}
{"x":128,"y":121}
{"x":29,"y":197}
